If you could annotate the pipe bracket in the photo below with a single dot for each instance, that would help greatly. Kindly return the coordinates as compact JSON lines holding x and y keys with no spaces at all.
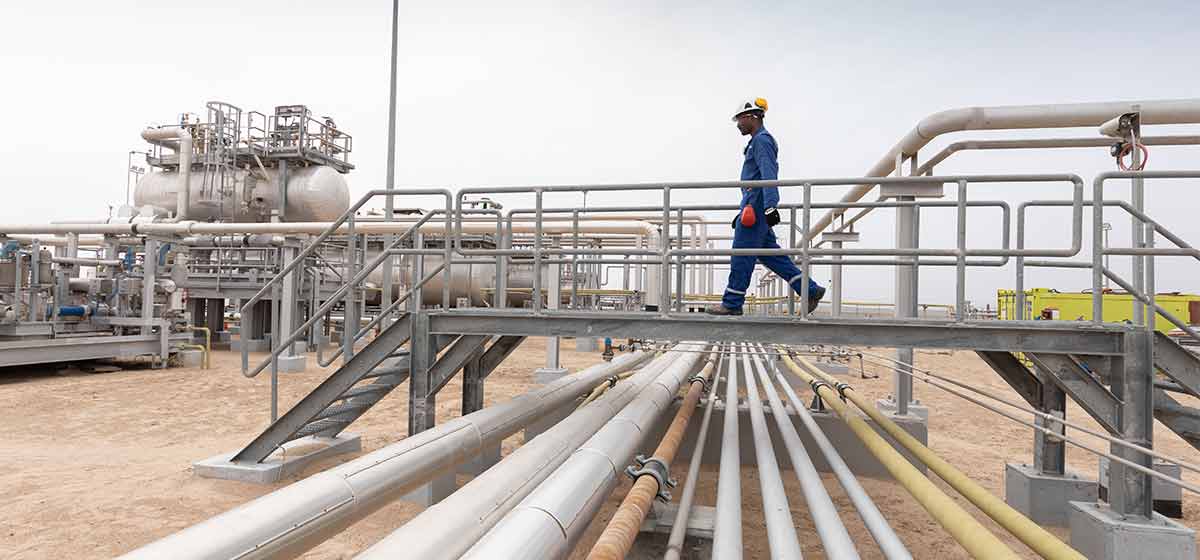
{"x":703,"y":382}
{"x":656,"y":468}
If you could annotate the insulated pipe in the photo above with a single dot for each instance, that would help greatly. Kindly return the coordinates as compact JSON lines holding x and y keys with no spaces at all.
{"x":447,"y":529}
{"x":223,"y":241}
{"x":824,"y":514}
{"x":1033,"y":535}
{"x":82,"y":261}
{"x":1166,"y":111}
{"x":293,"y":519}
{"x":219,"y":228}
{"x":727,"y":532}
{"x":889,"y":542}
{"x":622,"y":529}
{"x":180,"y":140}
{"x":781,"y":530}
{"x":679,"y":527}
{"x":977,"y":540}
{"x":549,"y":522}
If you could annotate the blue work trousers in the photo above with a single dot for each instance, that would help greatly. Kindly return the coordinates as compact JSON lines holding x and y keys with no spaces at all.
{"x":742,"y":266}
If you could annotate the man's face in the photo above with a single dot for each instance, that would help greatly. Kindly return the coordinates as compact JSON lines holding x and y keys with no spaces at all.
{"x":745,"y":123}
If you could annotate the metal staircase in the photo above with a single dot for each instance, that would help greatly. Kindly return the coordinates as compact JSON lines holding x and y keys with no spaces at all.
{"x":1183,"y":367}
{"x":343,"y":397}
{"x":1085,"y":379}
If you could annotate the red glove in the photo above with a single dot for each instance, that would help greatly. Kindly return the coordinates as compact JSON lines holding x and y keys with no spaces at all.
{"x":748,"y":217}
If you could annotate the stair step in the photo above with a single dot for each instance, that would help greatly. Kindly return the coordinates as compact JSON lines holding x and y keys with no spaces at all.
{"x":365,"y":389}
{"x":399,"y":354}
{"x":317,"y":427}
{"x":339,"y":409}
{"x":384,"y":371}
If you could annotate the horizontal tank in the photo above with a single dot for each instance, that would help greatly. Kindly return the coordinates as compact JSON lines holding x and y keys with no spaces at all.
{"x":314,"y":194}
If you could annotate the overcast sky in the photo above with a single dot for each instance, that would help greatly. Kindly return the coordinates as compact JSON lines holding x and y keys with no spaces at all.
{"x":499,"y":93}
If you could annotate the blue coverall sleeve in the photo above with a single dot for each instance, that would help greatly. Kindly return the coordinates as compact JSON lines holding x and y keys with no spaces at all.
{"x":766,"y":156}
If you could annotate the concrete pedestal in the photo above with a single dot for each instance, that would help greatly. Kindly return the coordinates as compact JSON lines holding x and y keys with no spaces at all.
{"x":586,"y":344}
{"x":191,"y":358}
{"x":1101,"y":534}
{"x":433,"y":491}
{"x":1168,"y":498}
{"x":296,"y":363}
{"x":290,"y":459}
{"x":915,"y":408}
{"x":1042,"y":497}
{"x":656,"y":531}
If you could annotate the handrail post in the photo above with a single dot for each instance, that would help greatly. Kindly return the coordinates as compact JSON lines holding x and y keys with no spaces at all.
{"x":960,"y":283}
{"x":349,"y":306}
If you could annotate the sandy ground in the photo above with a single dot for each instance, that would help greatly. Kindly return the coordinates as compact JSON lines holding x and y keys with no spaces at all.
{"x":96,"y":464}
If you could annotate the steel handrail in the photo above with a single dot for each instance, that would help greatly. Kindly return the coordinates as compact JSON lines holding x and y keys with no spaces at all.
{"x":347,"y":217}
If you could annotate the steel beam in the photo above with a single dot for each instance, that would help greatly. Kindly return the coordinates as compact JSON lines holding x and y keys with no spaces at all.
{"x":1084,"y":387}
{"x":1183,"y":420}
{"x":497,"y":353}
{"x":1023,"y":381}
{"x":422,"y":403}
{"x":1177,"y":363}
{"x":463,"y":349}
{"x":1129,"y":491}
{"x":1009,"y":336}
{"x":40,"y":351}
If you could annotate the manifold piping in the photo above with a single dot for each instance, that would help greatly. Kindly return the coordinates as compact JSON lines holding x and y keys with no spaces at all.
{"x":293,"y":519}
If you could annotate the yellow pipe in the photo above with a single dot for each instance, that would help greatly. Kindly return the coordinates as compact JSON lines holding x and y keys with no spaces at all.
{"x":973,"y":536}
{"x":207,"y":344}
{"x":1033,"y":535}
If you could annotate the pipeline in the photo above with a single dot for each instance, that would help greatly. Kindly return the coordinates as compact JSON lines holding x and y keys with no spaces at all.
{"x":889,"y":542}
{"x":727,"y":532}
{"x":207,"y":343}
{"x":781,"y":529}
{"x":550,"y":521}
{"x":679,"y":527}
{"x":973,"y":536}
{"x":1033,"y":535}
{"x":830,"y":528}
{"x":1165,"y":111}
{"x":293,"y":519}
{"x":448,"y":528}
{"x":622,"y":529}
{"x":179,"y":139}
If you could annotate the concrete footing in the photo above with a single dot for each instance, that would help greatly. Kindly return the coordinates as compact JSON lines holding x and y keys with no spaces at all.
{"x":291,"y":458}
{"x":293,"y":364}
{"x":1168,"y":498}
{"x":1045,"y":498}
{"x":656,"y":531}
{"x":1102,"y":534}
{"x":433,"y":491}
{"x":586,"y":344}
{"x":915,"y":408}
{"x":191,"y":358}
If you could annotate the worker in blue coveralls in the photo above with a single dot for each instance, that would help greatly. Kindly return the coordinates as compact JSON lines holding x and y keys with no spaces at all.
{"x":757,"y":215}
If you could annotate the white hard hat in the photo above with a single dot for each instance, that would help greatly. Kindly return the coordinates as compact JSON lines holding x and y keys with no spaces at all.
{"x":753,"y":104}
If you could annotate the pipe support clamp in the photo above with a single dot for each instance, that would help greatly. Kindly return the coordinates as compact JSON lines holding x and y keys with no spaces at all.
{"x":656,"y":468}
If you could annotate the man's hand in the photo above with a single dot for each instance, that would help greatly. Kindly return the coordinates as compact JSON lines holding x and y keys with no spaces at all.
{"x":772,"y":217}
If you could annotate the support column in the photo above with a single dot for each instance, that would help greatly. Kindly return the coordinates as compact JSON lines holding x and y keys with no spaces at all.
{"x":1043,"y":491}
{"x":291,"y":360}
{"x":422,"y":406}
{"x":553,"y":297}
{"x":473,"y":378}
{"x":1127,"y":526}
{"x":149,"y":277}
{"x":837,"y":240}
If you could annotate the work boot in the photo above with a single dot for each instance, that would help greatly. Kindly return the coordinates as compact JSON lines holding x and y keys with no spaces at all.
{"x":718,"y":309}
{"x":814,"y":298}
